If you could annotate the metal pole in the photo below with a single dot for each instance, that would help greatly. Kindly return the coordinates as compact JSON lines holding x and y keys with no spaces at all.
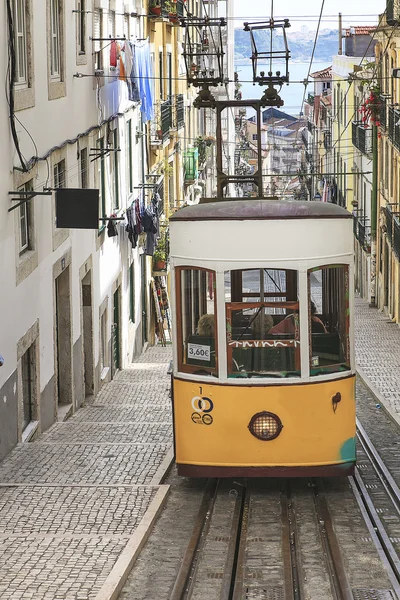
{"x":374,"y":208}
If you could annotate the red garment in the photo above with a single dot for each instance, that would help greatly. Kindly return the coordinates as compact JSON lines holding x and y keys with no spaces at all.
{"x":113,"y":54}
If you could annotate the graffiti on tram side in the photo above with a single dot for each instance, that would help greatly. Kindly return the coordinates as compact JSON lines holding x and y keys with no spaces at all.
{"x":202,"y":407}
{"x":265,"y":344}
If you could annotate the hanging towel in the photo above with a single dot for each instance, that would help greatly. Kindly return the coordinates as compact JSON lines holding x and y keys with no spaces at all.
{"x":113,"y":54}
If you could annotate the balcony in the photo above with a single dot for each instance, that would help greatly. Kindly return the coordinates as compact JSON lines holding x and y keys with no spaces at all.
{"x":166,"y":9}
{"x":310,"y":99}
{"x":383,"y":110}
{"x":310,"y":126}
{"x":327,"y":140}
{"x":166,"y":119}
{"x":304,"y":137}
{"x":396,"y":237}
{"x":191,"y":165}
{"x":362,"y":233}
{"x":393,"y":127}
{"x":392,"y":12}
{"x":179,"y":111}
{"x":388,"y":223}
{"x":362,"y":138}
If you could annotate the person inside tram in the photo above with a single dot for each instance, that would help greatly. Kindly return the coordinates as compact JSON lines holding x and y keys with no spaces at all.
{"x":291,"y":322}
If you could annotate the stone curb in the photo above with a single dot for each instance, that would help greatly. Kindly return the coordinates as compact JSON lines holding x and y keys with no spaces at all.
{"x":378,"y":397}
{"x":115,"y":581}
{"x":164,"y":467}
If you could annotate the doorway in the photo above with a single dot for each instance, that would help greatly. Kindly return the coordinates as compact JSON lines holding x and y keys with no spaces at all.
{"x":29,"y":387}
{"x":116,"y":333}
{"x":63,"y":338}
{"x":87,"y":335}
{"x":143,"y":267}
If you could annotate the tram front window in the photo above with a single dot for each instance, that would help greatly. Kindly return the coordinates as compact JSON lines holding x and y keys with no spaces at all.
{"x":262,"y":323}
{"x":329,"y":303}
{"x":196,"y":321}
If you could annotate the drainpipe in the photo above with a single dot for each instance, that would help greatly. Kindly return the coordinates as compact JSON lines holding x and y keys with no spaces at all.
{"x":374,"y":208}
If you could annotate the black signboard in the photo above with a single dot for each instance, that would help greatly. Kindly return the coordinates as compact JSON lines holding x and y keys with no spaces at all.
{"x":77,"y":208}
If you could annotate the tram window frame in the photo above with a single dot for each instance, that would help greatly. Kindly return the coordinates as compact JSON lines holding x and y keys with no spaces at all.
{"x":263,"y":354}
{"x":334,"y":311}
{"x":186,"y":297}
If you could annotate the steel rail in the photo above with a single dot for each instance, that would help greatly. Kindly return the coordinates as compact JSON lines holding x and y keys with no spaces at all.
{"x":187,"y":569}
{"x":340,"y":585}
{"x":291,"y":559}
{"x":379,"y":466}
{"x":234,"y":556}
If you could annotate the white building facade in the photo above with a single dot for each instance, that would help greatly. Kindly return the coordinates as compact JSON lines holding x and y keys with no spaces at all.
{"x":74,"y":302}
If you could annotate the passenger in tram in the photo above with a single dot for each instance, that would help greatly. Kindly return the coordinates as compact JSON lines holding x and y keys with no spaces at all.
{"x":205,"y":325}
{"x":291,"y":322}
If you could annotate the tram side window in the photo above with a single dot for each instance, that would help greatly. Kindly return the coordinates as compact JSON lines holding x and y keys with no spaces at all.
{"x":329,"y":319}
{"x":196,"y":322}
{"x":262,"y":323}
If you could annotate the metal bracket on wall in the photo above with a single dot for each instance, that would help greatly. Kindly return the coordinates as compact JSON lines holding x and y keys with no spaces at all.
{"x":25,"y":196}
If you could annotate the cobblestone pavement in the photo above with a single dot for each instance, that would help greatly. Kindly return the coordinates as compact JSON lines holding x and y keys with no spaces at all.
{"x":377,"y":341}
{"x":70,"y":501}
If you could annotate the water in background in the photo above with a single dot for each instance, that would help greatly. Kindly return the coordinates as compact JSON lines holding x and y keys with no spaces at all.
{"x":291,"y":94}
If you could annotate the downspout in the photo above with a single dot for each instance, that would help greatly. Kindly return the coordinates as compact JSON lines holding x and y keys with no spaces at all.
{"x":374,"y":208}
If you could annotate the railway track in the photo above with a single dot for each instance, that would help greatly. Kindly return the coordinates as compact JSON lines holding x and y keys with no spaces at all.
{"x":259,"y":552}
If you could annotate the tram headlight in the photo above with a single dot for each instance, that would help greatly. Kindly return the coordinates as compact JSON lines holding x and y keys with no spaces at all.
{"x":265,"y":426}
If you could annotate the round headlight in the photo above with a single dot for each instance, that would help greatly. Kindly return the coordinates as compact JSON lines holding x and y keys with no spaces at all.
{"x":265,"y":426}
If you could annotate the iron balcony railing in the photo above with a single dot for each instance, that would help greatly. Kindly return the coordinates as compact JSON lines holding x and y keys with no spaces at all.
{"x":396,"y":236}
{"x":180,"y":111}
{"x":310,"y":126}
{"x":310,"y":99}
{"x":166,"y":119}
{"x":362,"y":137}
{"x":389,"y":223}
{"x":167,"y":9}
{"x":362,"y":232}
{"x":394,"y":126}
{"x":392,"y":12}
{"x":304,"y":137}
{"x":383,"y":111}
{"x":327,"y":140}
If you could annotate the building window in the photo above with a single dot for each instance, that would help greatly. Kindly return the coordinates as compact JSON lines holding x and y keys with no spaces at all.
{"x":129,"y":155}
{"x":254,"y":136}
{"x":114,"y":169}
{"x":55,"y":59}
{"x":101,"y":179}
{"x":81,"y":28}
{"x":59,"y":174}
{"x":132,"y":293}
{"x":97,"y":33}
{"x":25,"y":221}
{"x":20,"y":41}
{"x":169,"y":74}
{"x":161,"y":73}
{"x":84,"y":167}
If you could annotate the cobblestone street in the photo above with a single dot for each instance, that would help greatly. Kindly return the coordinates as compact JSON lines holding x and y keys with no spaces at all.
{"x":70,"y":502}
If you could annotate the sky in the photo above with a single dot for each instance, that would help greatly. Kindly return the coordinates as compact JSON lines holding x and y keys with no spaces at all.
{"x":306,"y":12}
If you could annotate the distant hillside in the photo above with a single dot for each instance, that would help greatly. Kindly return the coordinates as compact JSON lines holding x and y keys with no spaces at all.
{"x":300,"y":47}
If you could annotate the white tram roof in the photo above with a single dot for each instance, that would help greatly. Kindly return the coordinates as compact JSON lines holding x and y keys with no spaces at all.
{"x":253,"y":230}
{"x":259,"y":209}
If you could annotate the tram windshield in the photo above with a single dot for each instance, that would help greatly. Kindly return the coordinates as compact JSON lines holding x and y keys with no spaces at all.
{"x":196,"y":321}
{"x":329,"y":309}
{"x":262,"y":323}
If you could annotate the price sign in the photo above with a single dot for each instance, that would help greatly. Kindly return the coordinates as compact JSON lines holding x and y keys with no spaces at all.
{"x":198,"y":352}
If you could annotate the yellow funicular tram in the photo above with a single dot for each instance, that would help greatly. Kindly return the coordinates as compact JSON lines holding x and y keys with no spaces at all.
{"x":264,"y":372}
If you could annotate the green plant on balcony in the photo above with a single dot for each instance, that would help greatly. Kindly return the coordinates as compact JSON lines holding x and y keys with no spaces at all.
{"x":203,"y":144}
{"x":171,"y":8}
{"x":155,"y":7}
{"x":161,"y":252}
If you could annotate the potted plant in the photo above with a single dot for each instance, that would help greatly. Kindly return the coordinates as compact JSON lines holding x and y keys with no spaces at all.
{"x":161,"y":251}
{"x":171,"y":9}
{"x":155,"y":7}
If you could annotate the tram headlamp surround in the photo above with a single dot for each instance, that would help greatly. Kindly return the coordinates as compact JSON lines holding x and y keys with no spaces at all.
{"x":265,"y":426}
